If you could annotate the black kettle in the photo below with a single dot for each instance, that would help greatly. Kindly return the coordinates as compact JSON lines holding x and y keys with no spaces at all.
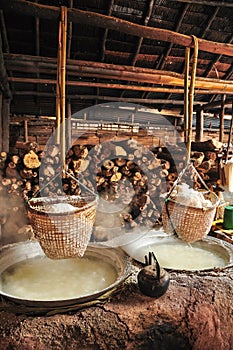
{"x":153,"y":280}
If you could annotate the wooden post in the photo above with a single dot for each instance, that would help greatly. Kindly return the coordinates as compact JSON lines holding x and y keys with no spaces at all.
{"x":6,"y":124}
{"x":25,"y":130}
{"x":191,"y":97}
{"x":58,"y":90}
{"x":186,"y":78}
{"x":1,"y":126}
{"x":221,"y":116}
{"x":69,"y":128}
{"x":230,"y":134}
{"x":63,"y":81}
{"x":199,"y":125}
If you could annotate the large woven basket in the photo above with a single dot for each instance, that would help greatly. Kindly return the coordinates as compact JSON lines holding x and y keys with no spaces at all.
{"x":189,"y":223}
{"x":63,"y":234}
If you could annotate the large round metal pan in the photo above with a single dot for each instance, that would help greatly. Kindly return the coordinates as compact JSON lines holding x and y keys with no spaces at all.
{"x":17,"y":252}
{"x":214,"y":245}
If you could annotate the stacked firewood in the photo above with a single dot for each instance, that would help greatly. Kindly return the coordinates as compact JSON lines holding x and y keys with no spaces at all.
{"x":204,"y":156}
{"x":126,"y":175}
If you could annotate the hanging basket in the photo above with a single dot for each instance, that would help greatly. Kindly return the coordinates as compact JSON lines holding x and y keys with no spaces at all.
{"x":63,"y":224}
{"x":188,"y":222}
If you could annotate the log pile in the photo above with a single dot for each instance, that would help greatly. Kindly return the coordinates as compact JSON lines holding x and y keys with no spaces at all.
{"x":204,"y":156}
{"x":125,"y":174}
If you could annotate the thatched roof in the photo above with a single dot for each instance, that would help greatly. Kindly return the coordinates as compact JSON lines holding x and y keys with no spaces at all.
{"x":117,"y":50}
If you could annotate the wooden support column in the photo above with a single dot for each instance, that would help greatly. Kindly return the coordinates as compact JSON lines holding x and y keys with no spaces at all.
{"x":69,"y":128}
{"x":6,"y":124}
{"x":186,"y":78}
{"x":191,"y":98}
{"x":221,"y":116}
{"x":1,"y":128}
{"x":199,"y":125}
{"x":63,"y":81}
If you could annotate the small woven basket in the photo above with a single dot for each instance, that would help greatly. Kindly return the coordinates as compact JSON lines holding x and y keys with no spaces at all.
{"x":63,"y":234}
{"x":189,"y":223}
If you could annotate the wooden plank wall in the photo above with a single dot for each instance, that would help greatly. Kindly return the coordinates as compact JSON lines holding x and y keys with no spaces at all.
{"x":39,"y":130}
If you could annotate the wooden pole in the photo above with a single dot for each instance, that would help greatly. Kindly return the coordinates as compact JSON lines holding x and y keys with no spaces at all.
{"x":25,"y":130}
{"x":63,"y":81}
{"x":205,"y":85}
{"x":109,"y":71}
{"x":58,"y":90}
{"x":186,"y":79}
{"x":1,"y":122}
{"x":230,"y":134}
{"x":191,"y":97}
{"x":221,"y":116}
{"x":6,"y":124}
{"x":199,"y":125}
{"x":69,"y":129}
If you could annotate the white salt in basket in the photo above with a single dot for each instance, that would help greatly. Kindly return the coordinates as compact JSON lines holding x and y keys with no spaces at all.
{"x":63,"y":224}
{"x":187,"y":222}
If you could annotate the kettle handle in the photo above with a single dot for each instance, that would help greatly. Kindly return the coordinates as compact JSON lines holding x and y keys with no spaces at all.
{"x":148,"y":261}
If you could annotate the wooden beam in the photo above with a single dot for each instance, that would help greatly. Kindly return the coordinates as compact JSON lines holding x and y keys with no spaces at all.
{"x":108,"y":71}
{"x":216,"y":104}
{"x":150,"y":8}
{"x":103,"y":45}
{"x":207,"y":3}
{"x":108,"y":98}
{"x":219,"y":88}
{"x":117,"y":24}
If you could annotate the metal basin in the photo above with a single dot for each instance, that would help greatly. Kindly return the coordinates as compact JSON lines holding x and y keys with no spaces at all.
{"x":20,"y":252}
{"x":156,"y":240}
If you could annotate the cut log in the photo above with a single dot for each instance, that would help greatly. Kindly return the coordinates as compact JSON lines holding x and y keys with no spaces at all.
{"x":209,"y":145}
{"x":31,"y":160}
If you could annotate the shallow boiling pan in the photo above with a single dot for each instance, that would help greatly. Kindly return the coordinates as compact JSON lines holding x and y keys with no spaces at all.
{"x":17,"y":252}
{"x":214,"y":245}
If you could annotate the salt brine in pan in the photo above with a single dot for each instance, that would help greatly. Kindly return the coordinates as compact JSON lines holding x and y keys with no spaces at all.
{"x":183,"y":256}
{"x":43,"y":279}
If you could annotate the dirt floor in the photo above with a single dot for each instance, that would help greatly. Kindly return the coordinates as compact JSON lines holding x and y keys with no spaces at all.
{"x":195,"y":313}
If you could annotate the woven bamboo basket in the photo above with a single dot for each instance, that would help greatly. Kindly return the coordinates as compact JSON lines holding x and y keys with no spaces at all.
{"x":63,"y":234}
{"x":189,"y":223}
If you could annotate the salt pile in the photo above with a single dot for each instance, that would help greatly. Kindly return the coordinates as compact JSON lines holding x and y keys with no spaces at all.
{"x":185,"y":195}
{"x":60,"y":208}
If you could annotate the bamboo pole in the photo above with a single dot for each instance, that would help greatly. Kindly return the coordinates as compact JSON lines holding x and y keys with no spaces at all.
{"x":230,"y":134}
{"x":191,"y":97}
{"x":63,"y":81}
{"x":1,"y":122}
{"x":225,"y":88}
{"x":186,"y":79}
{"x":58,"y":90}
{"x":221,"y":116}
{"x":18,"y":62}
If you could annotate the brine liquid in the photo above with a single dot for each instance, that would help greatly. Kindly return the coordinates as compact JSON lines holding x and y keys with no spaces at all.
{"x":46,"y":279}
{"x":183,"y":256}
